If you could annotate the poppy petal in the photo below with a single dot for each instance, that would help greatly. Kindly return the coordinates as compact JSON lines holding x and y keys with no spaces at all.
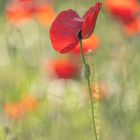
{"x":90,"y":20}
{"x":64,"y":30}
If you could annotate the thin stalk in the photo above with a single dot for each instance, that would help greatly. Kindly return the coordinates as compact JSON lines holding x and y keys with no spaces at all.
{"x":86,"y":66}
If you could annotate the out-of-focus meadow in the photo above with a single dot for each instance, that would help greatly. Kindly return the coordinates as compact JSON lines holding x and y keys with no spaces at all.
{"x":43,"y":94}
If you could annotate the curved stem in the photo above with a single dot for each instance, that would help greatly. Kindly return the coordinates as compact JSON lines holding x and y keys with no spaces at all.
{"x":86,"y":66}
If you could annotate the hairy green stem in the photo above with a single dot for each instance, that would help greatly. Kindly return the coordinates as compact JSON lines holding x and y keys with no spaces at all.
{"x":86,"y":67}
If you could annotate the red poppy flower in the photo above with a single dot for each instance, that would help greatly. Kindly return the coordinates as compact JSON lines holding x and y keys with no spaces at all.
{"x":68,"y":27}
{"x":124,"y":10}
{"x":64,"y":68}
{"x":89,"y":45}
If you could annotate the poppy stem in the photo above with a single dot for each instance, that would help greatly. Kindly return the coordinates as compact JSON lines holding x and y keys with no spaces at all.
{"x":87,"y":76}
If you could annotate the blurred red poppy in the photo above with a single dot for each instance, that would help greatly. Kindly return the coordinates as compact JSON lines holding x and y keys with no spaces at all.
{"x":89,"y":45}
{"x":124,"y":10}
{"x":29,"y":103}
{"x":132,"y":28}
{"x":14,"y":110}
{"x":128,"y":12}
{"x":19,"y":10}
{"x":64,"y":68}
{"x":68,"y":27}
{"x":19,"y":109}
{"x":45,"y":14}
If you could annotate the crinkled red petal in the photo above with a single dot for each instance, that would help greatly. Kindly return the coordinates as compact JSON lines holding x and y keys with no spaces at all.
{"x":90,"y":20}
{"x":64,"y":30}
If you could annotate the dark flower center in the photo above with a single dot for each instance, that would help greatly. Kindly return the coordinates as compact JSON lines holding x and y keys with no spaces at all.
{"x":80,"y":34}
